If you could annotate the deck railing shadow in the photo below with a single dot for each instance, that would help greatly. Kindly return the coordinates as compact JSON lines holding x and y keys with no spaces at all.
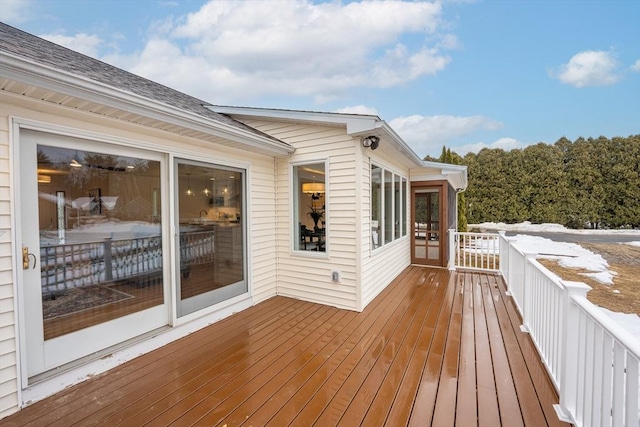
{"x":592,"y":362}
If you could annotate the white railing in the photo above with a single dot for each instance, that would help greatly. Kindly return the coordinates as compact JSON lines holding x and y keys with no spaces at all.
{"x":592,"y":362}
{"x":474,"y":251}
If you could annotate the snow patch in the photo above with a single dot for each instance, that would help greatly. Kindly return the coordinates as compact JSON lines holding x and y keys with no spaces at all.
{"x":637,"y":243}
{"x":546,"y":228}
{"x":629,"y":322}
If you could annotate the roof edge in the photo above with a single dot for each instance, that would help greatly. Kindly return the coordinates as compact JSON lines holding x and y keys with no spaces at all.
{"x":31,"y":72}
{"x":357,"y":125}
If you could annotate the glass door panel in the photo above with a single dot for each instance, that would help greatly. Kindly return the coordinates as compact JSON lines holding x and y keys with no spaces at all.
{"x":210,"y":203}
{"x":427,"y":238}
{"x":100,"y":248}
{"x":96,"y":249}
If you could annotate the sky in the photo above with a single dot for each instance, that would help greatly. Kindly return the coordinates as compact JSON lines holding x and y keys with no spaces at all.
{"x":462,"y":74}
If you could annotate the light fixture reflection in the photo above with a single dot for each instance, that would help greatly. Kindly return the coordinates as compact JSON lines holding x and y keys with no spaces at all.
{"x":74,"y":164}
{"x":189,"y":191}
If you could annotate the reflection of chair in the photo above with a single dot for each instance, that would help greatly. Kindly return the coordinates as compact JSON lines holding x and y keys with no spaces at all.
{"x":303,"y":235}
{"x":310,"y":235}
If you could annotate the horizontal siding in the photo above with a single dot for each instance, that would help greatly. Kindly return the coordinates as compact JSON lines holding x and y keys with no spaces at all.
{"x":379,"y":268}
{"x":8,"y":344}
{"x":309,"y":277}
{"x":262,"y":219}
{"x":263,"y":230}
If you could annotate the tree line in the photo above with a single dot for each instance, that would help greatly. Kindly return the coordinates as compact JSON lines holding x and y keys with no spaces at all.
{"x":587,"y":183}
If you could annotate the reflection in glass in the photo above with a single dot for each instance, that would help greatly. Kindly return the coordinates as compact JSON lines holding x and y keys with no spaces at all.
{"x":309,"y":182}
{"x":376,"y":205}
{"x":100,"y":243}
{"x":211,"y":236}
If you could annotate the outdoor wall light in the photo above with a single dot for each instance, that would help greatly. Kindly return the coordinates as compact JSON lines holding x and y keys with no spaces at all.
{"x":371,"y":141}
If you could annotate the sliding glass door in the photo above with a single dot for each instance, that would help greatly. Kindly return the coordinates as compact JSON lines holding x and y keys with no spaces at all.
{"x":92,"y":250}
{"x":210,"y":234}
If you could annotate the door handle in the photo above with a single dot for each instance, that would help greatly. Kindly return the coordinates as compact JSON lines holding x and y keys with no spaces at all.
{"x":26,"y":257}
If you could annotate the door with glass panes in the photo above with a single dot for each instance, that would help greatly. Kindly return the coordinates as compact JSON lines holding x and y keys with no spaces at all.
{"x":427,"y":237}
{"x":92,"y":252}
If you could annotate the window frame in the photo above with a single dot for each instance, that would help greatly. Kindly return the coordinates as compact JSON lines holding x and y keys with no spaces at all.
{"x":295,"y":209}
{"x":388,"y":212}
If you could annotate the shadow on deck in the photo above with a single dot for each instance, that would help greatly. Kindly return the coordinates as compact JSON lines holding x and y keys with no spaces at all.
{"x":435,"y":348}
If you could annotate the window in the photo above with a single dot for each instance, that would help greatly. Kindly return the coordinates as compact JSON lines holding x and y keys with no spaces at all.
{"x":309,"y":209}
{"x":209,"y":211}
{"x":376,"y":205}
{"x":388,"y":206}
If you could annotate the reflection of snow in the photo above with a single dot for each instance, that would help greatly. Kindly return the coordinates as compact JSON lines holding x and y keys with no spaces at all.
{"x":108,"y":229}
{"x":87,"y":203}
{"x":82,"y":203}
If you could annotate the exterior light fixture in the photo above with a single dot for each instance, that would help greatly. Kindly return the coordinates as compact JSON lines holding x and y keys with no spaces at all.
{"x":371,"y":141}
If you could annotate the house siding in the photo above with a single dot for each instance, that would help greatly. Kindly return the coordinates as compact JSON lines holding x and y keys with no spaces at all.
{"x":261,"y":223}
{"x":381,"y":266}
{"x":302,"y":275}
{"x":8,"y":354}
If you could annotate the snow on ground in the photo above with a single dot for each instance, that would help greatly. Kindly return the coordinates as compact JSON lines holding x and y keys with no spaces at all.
{"x":634,"y":243}
{"x":546,"y":228}
{"x":571,"y":255}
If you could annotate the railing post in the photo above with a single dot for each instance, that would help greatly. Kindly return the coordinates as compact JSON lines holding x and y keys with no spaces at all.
{"x":527,"y":291}
{"x":452,"y":249}
{"x":509,"y":278}
{"x":108,"y":260}
{"x":570,"y":339}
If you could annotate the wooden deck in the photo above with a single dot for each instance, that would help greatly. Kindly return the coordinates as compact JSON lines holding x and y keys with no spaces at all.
{"x":435,"y":348}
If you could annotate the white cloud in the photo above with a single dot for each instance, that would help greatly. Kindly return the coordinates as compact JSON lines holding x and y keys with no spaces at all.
{"x":15,"y":11}
{"x":427,"y":134}
{"x":358,"y":109}
{"x":636,"y":66}
{"x":242,"y":50}
{"x":81,"y":42}
{"x":589,"y":68}
{"x":503,"y":143}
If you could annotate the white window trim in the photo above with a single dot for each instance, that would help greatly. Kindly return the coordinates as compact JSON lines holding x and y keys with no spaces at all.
{"x":381,"y":229}
{"x":292,"y":209}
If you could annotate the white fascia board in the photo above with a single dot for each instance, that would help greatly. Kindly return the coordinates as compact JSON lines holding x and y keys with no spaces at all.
{"x":456,"y":174}
{"x":355,"y":123}
{"x":32,"y":73}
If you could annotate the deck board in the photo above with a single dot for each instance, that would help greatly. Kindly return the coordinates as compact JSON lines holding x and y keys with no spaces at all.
{"x":434,"y":348}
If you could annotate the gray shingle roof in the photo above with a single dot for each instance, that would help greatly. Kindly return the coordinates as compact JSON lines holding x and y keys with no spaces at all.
{"x":36,"y":49}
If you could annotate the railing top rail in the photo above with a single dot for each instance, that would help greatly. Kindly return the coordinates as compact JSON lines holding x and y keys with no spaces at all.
{"x":101,"y":241}
{"x":625,"y":338}
{"x":548,"y":274}
{"x":470,"y":233}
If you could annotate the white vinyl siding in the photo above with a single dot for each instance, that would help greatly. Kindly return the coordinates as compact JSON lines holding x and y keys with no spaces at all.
{"x":8,"y":343}
{"x":261,"y":221}
{"x":382,"y":265}
{"x":307,"y":275}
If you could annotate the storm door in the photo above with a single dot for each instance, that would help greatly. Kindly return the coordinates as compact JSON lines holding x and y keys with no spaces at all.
{"x":427,"y":241}
{"x":210,"y":234}
{"x":91,"y":259}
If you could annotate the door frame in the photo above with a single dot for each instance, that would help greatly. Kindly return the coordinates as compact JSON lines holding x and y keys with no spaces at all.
{"x":441,"y":186}
{"x":53,"y":353}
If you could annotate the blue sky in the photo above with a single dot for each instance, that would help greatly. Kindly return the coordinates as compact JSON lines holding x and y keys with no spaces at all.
{"x":463,"y":74}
